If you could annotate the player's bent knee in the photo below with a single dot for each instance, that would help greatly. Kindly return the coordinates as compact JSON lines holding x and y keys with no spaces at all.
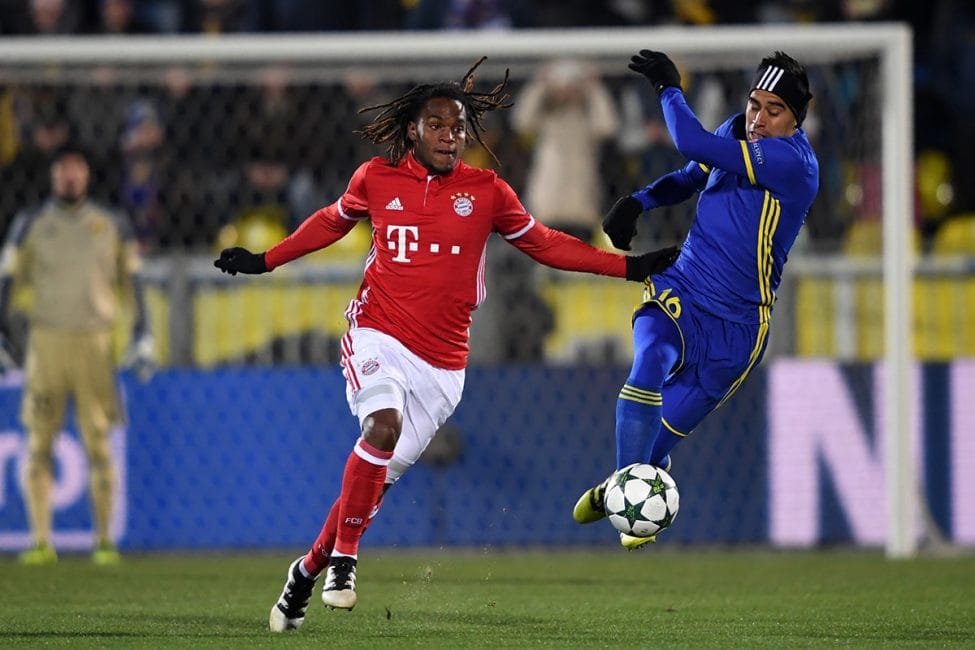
{"x":382,"y":429}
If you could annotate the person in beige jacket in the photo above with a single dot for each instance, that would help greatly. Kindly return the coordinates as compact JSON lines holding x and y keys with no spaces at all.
{"x":569,"y":112}
{"x":78,"y":258}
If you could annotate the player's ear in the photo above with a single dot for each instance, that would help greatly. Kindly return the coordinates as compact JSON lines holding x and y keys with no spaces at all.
{"x":411,"y":134}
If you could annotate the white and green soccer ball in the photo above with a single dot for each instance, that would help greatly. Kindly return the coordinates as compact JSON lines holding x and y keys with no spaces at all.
{"x":641,"y":500}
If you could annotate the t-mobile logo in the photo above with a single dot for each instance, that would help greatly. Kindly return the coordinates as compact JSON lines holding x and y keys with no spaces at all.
{"x":405,"y":239}
{"x":398,"y":239}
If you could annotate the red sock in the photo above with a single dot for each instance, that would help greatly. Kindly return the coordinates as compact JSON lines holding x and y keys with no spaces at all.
{"x":319,"y":554}
{"x":317,"y":558}
{"x":373,"y":513}
{"x":362,"y":485}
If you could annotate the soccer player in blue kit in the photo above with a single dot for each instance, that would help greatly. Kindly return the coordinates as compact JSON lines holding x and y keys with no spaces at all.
{"x":704,"y":322}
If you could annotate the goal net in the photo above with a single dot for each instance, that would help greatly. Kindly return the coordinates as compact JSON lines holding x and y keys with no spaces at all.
{"x":206,"y":143}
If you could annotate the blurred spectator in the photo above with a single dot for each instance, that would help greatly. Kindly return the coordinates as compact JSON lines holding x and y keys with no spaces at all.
{"x":269,"y":187}
{"x":725,"y":11}
{"x":934,"y":187}
{"x":216,"y":16}
{"x":570,"y":114}
{"x":55,"y":17}
{"x":165,"y":16}
{"x":46,"y":129}
{"x":797,"y":11}
{"x":864,"y":10}
{"x":118,"y":17}
{"x":471,"y":14}
{"x":280,"y":118}
{"x":950,"y":73}
{"x":274,"y":142}
{"x":143,"y":162}
{"x":269,"y":101}
{"x":97,"y":107}
{"x":195,"y":193}
{"x":324,"y":15}
{"x":585,"y":13}
{"x":174,"y":179}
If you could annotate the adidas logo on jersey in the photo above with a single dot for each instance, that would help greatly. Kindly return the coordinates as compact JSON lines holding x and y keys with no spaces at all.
{"x":394,"y":204}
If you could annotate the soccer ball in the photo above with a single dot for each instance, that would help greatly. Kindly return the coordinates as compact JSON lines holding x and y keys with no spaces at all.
{"x":641,"y":500}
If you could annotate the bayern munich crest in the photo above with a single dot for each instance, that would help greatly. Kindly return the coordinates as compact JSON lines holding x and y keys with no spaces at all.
{"x":369,"y":366}
{"x":463,"y":204}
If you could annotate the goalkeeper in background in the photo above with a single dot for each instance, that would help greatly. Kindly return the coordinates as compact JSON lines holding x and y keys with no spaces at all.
{"x":704,"y":322}
{"x":75,"y":255}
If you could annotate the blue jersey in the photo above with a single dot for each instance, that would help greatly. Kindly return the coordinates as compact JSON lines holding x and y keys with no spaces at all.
{"x":754,"y":197}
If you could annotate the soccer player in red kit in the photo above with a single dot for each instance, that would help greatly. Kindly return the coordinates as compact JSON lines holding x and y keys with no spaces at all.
{"x":405,"y":353}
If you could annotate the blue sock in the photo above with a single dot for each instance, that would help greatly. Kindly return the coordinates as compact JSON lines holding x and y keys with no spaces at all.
{"x":656,"y":345}
{"x":663,"y":462}
{"x":637,"y":424}
{"x":660,"y":454}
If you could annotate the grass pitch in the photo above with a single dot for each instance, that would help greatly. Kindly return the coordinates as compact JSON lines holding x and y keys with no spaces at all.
{"x":653,"y":598}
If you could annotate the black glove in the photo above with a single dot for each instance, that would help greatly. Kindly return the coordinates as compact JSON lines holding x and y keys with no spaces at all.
{"x":240,"y":260}
{"x":657,"y":68}
{"x":620,"y":222}
{"x":640,"y":267}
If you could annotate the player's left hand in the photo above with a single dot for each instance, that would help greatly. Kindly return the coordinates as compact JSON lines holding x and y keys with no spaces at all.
{"x":657,"y":67}
{"x":240,"y":260}
{"x":640,"y":267}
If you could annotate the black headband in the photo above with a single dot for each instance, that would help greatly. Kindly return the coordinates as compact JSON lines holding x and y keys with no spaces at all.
{"x":786,"y":85}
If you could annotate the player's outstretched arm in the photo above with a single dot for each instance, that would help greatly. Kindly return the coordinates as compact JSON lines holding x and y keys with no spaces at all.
{"x":690,"y":138}
{"x":673,"y":188}
{"x":558,"y":250}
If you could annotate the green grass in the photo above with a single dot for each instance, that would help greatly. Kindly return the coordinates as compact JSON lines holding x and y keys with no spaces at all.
{"x":655,"y":598}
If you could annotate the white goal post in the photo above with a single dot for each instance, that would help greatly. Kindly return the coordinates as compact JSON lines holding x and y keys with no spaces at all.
{"x":414,"y":51}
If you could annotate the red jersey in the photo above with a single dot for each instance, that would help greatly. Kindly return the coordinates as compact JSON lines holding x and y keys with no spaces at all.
{"x":424,"y":274}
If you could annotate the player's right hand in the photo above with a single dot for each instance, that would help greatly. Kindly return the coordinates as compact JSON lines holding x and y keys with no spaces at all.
{"x":140,"y":356}
{"x":620,"y":222}
{"x":240,"y":260}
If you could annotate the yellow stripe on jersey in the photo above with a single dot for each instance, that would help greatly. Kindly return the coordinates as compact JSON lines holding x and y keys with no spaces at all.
{"x":649,"y":397}
{"x":752,"y":359}
{"x":704,"y":168}
{"x":672,"y":429}
{"x":767,"y":224}
{"x":748,"y":163}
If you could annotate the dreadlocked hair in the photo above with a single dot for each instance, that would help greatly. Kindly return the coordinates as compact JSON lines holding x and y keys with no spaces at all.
{"x":389,"y":127}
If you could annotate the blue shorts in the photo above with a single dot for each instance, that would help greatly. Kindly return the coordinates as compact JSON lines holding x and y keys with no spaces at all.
{"x":716,"y":358}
